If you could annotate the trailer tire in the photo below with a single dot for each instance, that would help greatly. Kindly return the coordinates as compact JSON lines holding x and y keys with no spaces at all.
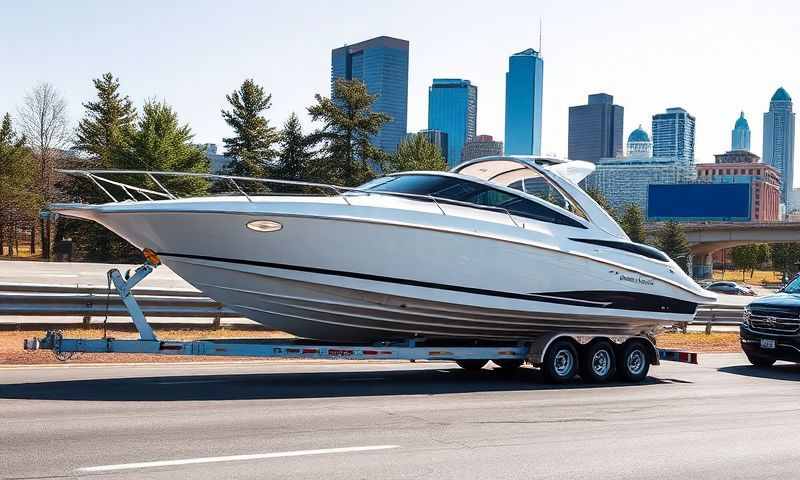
{"x":633,"y":361}
{"x":560,"y":363}
{"x":508,"y":363}
{"x":598,"y":362}
{"x":472,"y":365}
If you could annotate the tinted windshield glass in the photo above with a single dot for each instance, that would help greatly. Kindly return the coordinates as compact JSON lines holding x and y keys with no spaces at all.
{"x":450,"y":188}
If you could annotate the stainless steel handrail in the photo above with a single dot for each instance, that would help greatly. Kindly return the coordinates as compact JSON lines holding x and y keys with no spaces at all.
{"x":97,"y":179}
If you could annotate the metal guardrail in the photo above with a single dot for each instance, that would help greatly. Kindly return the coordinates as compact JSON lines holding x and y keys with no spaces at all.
{"x":40,"y":300}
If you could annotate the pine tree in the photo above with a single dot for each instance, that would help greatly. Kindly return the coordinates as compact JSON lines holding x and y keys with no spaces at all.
{"x":108,"y":123}
{"x":348,"y":154}
{"x":416,"y":153}
{"x":672,"y":241}
{"x":295,"y":153}
{"x":251,"y":149}
{"x":20,"y":200}
{"x":161,"y":143}
{"x":633,"y":223}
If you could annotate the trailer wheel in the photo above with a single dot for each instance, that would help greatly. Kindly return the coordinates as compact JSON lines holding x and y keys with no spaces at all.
{"x":472,"y":365}
{"x":560,"y":362}
{"x":598,"y":362}
{"x":508,"y":364}
{"x":633,"y":363}
{"x":760,"y":361}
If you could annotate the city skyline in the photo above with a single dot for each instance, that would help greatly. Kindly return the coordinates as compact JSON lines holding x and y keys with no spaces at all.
{"x":453,"y":109}
{"x":194,"y":72}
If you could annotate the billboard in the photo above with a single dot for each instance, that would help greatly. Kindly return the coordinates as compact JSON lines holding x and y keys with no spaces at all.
{"x":697,"y":202}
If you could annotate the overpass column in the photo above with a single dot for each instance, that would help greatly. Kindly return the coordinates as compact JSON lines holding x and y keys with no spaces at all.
{"x":702,"y":266}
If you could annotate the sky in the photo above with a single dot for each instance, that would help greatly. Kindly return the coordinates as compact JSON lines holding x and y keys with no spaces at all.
{"x":713,"y":58}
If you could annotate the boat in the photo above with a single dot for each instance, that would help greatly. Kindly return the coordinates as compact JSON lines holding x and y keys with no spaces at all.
{"x":502,"y":248}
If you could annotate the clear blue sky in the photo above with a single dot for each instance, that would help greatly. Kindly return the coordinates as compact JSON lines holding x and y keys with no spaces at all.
{"x":712,"y":58}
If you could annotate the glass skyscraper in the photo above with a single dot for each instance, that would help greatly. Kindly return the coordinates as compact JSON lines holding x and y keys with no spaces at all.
{"x":523,"y":135}
{"x":595,"y":129}
{"x":740,"y":136}
{"x":453,"y":109}
{"x":382,"y":64}
{"x":673,"y":135}
{"x":779,"y":142}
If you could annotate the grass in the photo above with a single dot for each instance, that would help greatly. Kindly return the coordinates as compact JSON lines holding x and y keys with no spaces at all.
{"x":759,"y":276}
{"x":727,"y":342}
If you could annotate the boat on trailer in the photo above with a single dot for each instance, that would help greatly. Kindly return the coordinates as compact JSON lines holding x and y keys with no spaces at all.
{"x":506,"y":254}
{"x":480,"y":252}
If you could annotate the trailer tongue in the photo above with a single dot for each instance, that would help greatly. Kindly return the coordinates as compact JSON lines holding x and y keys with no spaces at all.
{"x":561,"y":356}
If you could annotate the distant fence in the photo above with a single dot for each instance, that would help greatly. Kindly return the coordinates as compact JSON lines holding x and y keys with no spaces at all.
{"x":88,"y":302}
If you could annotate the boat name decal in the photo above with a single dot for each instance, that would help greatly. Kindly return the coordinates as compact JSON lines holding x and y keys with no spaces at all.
{"x":637,"y":280}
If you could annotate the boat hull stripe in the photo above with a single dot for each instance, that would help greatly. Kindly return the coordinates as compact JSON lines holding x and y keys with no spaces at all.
{"x":609,"y":299}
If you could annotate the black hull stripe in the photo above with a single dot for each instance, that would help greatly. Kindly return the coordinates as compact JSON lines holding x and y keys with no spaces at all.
{"x":620,"y":300}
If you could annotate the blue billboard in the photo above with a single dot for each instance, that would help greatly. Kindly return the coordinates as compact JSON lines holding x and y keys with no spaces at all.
{"x":696,"y":202}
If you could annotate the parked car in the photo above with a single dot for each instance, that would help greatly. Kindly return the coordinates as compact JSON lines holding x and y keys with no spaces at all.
{"x":770,"y":329}
{"x":730,"y":288}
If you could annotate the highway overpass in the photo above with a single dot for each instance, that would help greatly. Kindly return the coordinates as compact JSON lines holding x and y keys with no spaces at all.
{"x":708,"y":237}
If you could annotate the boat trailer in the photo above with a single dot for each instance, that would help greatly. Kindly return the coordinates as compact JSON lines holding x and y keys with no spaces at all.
{"x":465,"y":354}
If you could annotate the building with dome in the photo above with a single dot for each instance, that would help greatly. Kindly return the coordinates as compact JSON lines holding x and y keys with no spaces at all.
{"x":778,"y":146}
{"x":639,"y":144}
{"x":740,"y":136}
{"x":625,"y":181}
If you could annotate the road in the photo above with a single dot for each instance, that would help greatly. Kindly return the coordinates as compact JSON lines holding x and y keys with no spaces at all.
{"x":395,"y":420}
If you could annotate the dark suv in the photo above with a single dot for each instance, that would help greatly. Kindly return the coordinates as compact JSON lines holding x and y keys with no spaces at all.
{"x":770,"y":328}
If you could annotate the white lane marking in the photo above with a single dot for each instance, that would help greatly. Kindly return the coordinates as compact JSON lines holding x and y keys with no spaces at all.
{"x":234,"y":458}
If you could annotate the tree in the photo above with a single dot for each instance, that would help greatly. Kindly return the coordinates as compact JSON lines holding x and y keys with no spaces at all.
{"x":161,"y":143}
{"x":295,"y":153}
{"x":785,"y":257}
{"x":43,"y":122}
{"x":745,"y":258}
{"x":348,"y":123}
{"x":671,"y":239}
{"x":19,"y":198}
{"x":252,"y":147}
{"x":416,"y":153}
{"x":633,"y":223}
{"x":108,"y":124}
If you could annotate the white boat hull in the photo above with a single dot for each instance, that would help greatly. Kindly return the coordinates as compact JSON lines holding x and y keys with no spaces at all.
{"x":333,"y":272}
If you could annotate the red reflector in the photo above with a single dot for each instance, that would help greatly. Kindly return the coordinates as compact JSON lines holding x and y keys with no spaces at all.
{"x":310,"y":350}
{"x":292,"y":350}
{"x":370,"y":352}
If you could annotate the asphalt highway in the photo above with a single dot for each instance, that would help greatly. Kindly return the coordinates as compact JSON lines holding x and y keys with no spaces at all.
{"x":341,"y":420}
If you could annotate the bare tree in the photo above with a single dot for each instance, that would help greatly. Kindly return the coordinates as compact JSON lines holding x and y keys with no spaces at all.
{"x":43,"y":120}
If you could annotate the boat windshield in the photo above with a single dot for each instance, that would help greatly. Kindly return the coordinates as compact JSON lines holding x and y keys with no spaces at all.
{"x":445,"y":188}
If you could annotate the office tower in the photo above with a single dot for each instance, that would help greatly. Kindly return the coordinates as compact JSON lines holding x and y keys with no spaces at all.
{"x":779,"y":141}
{"x":673,"y":135}
{"x":453,"y":109}
{"x":382,"y":64}
{"x":523,"y":131}
{"x":595,"y":129}
{"x":740,"y":136}
{"x":481,"y":146}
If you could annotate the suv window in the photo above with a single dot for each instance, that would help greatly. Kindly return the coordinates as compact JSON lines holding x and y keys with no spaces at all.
{"x":450,"y":188}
